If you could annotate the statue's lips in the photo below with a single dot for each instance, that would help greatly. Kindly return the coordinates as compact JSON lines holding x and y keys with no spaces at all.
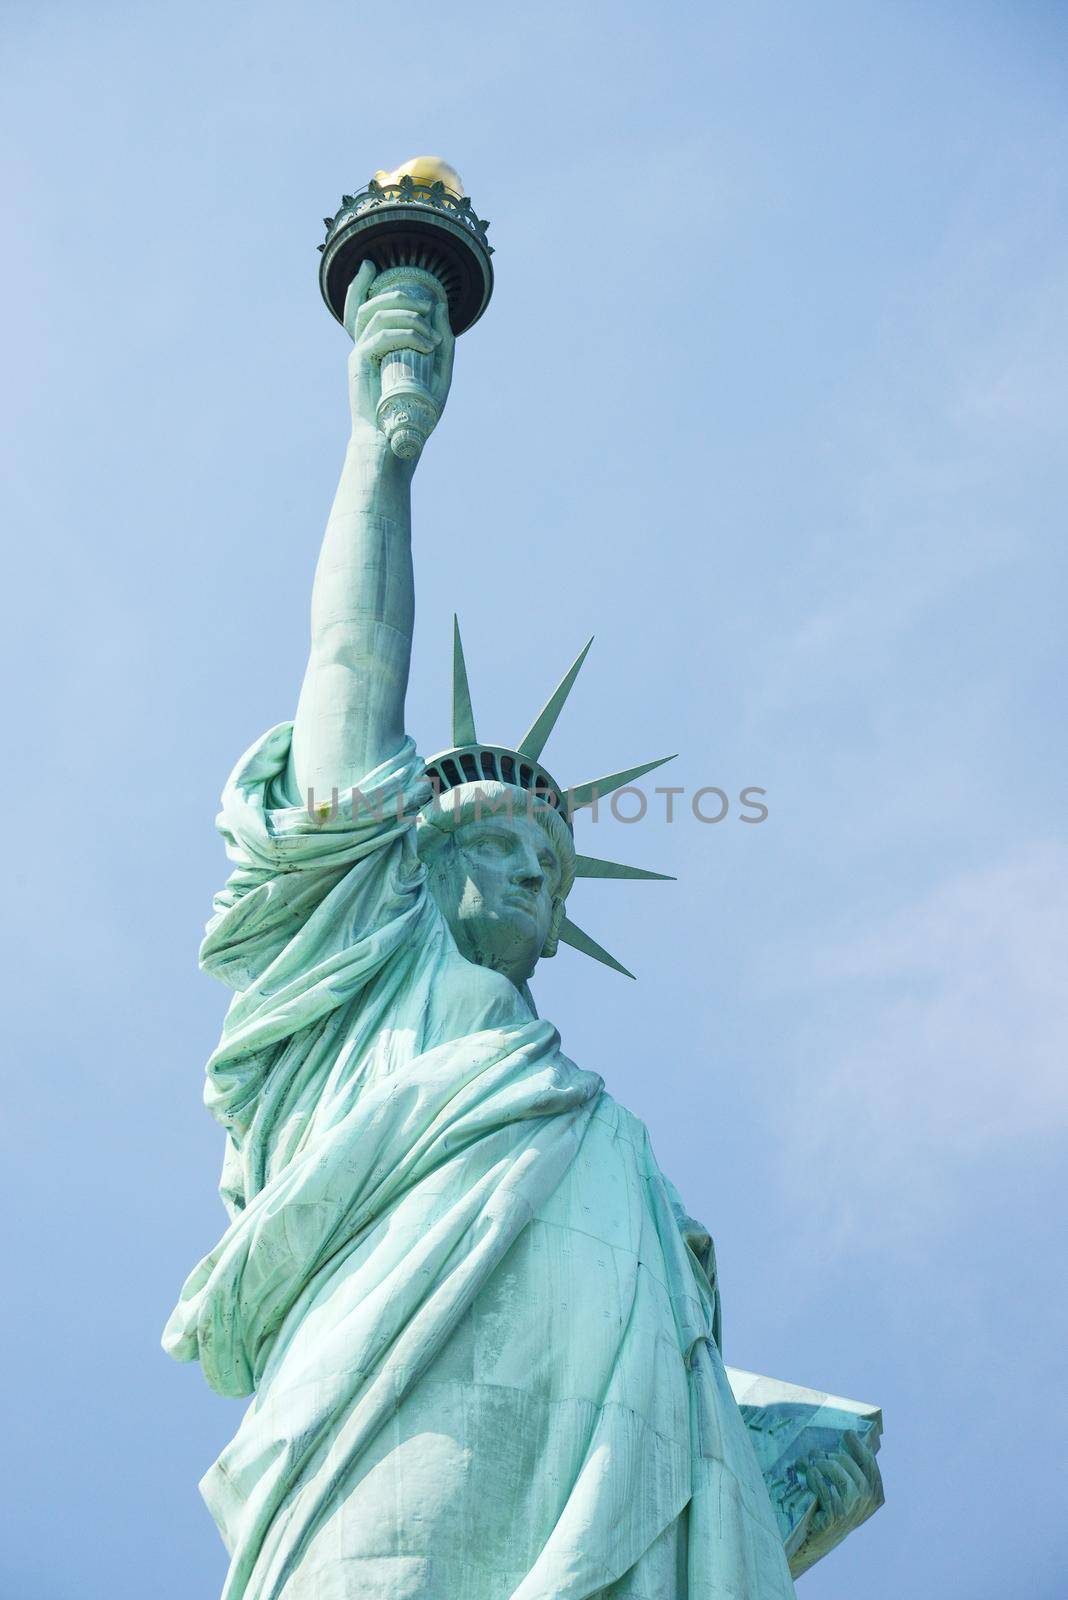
{"x":518,"y":901}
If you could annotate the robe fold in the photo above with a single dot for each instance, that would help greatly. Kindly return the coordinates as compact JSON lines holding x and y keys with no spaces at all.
{"x":479,"y":1328}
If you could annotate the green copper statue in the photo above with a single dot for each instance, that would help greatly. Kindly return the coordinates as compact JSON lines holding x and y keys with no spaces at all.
{"x":479,"y":1326}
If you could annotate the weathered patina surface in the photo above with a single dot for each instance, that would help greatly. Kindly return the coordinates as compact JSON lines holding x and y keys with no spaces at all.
{"x":480,"y":1328}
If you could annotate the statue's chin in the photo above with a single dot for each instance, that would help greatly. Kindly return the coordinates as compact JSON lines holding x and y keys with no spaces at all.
{"x":509,"y":945}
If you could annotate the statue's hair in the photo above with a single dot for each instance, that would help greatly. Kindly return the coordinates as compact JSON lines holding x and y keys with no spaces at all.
{"x":484,"y":801}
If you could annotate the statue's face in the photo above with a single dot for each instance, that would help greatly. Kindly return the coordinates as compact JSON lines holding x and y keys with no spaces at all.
{"x":496,"y":883}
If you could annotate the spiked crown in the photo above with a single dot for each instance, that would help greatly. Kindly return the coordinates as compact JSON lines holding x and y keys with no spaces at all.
{"x":470,"y":761}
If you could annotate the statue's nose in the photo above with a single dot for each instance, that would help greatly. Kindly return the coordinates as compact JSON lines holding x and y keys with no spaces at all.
{"x":528,"y":875}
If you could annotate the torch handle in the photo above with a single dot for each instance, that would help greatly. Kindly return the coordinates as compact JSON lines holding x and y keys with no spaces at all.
{"x":408,"y":411}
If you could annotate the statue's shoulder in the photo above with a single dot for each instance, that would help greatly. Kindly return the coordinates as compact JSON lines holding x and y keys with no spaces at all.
{"x":625,"y":1126}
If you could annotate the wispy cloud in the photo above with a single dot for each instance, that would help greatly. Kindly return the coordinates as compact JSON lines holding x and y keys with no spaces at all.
{"x":963,"y":392}
{"x":933,"y":1038}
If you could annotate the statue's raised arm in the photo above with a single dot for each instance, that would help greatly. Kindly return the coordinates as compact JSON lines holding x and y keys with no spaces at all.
{"x":351,"y":711}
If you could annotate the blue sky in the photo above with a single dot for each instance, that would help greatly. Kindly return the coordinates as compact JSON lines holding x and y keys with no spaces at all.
{"x":771,"y":399}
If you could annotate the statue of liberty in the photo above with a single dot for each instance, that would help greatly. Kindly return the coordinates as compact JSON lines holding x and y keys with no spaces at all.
{"x":479,"y":1326}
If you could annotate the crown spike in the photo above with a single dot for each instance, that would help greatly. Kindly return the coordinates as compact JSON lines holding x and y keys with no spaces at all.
{"x":533,"y":741}
{"x":573,"y":935}
{"x":591,"y":867}
{"x":463,"y":718}
{"x":587,"y":794}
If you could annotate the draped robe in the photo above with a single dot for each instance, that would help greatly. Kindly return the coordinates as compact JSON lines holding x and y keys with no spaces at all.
{"x":479,"y":1328}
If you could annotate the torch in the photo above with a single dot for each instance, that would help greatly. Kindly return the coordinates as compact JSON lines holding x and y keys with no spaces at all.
{"x":419,"y":229}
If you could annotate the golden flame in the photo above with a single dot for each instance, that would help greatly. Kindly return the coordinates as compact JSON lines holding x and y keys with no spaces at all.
{"x":425,"y":169}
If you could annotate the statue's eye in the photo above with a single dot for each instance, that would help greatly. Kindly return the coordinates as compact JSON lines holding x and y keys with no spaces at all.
{"x":494,"y":844}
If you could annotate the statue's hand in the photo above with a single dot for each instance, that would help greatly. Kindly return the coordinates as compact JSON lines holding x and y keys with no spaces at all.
{"x":396,"y":320}
{"x":847,"y":1487}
